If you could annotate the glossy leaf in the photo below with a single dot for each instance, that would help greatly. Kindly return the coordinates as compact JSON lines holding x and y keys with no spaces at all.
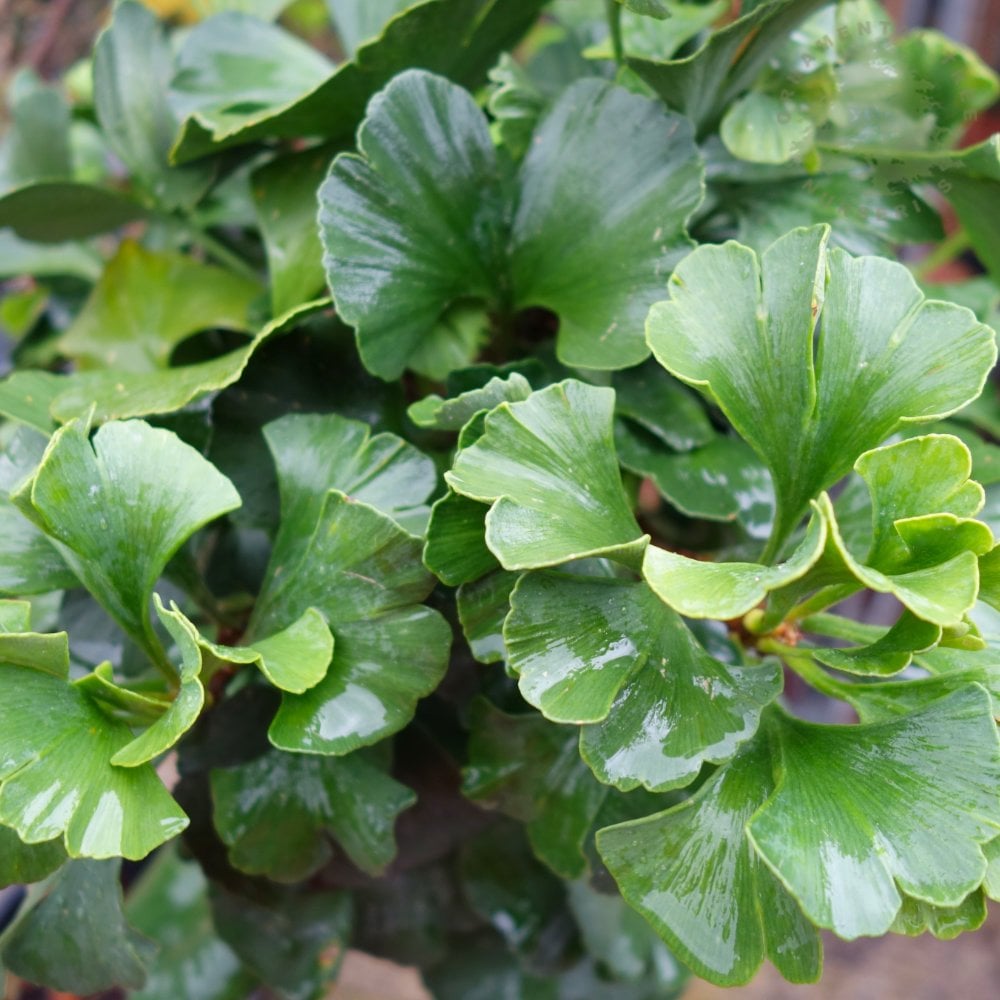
{"x":76,"y":938}
{"x":944,"y":922}
{"x":703,"y":84}
{"x":314,"y":453}
{"x":404,"y":245}
{"x":888,"y":654}
{"x":169,"y":904}
{"x":482,"y":607}
{"x":361,"y":571}
{"x":115,"y":394}
{"x":607,"y":652}
{"x":456,"y":551}
{"x":21,"y":863}
{"x":530,"y":769}
{"x":862,"y":814}
{"x":56,"y":776}
{"x":457,"y":38}
{"x":357,"y":21}
{"x":924,"y":543}
{"x":284,"y":193}
{"x":453,"y":414}
{"x":30,"y":564}
{"x":693,"y":874}
{"x":118,"y":518}
{"x":662,"y":406}
{"x":727,"y":589}
{"x":132,"y":67}
{"x":905,"y":360}
{"x":147,"y":303}
{"x":276,"y":813}
{"x":722,"y":481}
{"x":548,"y":468}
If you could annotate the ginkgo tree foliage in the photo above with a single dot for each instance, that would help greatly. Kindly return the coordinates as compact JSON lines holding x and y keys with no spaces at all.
{"x":480,"y":487}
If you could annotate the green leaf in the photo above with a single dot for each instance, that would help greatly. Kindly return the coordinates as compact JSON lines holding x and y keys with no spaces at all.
{"x":662,"y":406}
{"x":608,"y":652}
{"x":116,"y":394}
{"x":692,"y":873}
{"x":284,"y":194}
{"x":722,"y":481}
{"x":405,"y":245}
{"x":76,"y":938}
{"x":146,"y":303}
{"x":455,"y":551}
{"x":944,"y":922}
{"x":285,"y":938}
{"x":728,"y":589}
{"x":849,"y":852}
{"x":315,"y":453}
{"x":57,"y":211}
{"x":357,"y":21}
{"x":888,"y":654}
{"x":276,"y":813}
{"x":118,"y":515}
{"x":547,"y":465}
{"x":650,"y":8}
{"x":763,"y":128}
{"x":530,"y":769}
{"x":742,"y":331}
{"x":702,"y":85}
{"x":132,"y":68}
{"x":924,"y":541}
{"x":453,"y":414}
{"x":482,"y":607}
{"x":35,"y":145}
{"x":26,"y":397}
{"x":30,"y":564}
{"x":169,"y":904}
{"x":458,"y":38}
{"x":56,"y":776}
{"x":21,"y":863}
{"x":355,"y":565}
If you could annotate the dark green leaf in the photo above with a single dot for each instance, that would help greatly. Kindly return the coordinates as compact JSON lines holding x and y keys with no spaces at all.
{"x":405,"y":245}
{"x":76,"y":938}
{"x":276,"y":813}
{"x":57,"y":211}
{"x":530,"y":769}
{"x":21,"y":862}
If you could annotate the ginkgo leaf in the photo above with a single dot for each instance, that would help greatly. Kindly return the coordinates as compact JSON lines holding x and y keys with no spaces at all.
{"x":530,"y":769}
{"x":458,"y":38}
{"x":21,"y":863}
{"x":76,"y":937}
{"x":693,"y":874}
{"x":276,"y":812}
{"x":458,"y":235}
{"x":455,"y":550}
{"x":944,"y":922}
{"x":888,"y":654}
{"x":864,"y":814}
{"x":452,"y":414}
{"x":547,"y":465}
{"x":146,"y":303}
{"x":924,"y":542}
{"x":742,"y":330}
{"x":31,"y":564}
{"x":119,"y":507}
{"x":727,"y":589}
{"x":608,"y":652}
{"x":317,"y":452}
{"x":115,"y":394}
{"x":361,"y":571}
{"x":56,"y":776}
